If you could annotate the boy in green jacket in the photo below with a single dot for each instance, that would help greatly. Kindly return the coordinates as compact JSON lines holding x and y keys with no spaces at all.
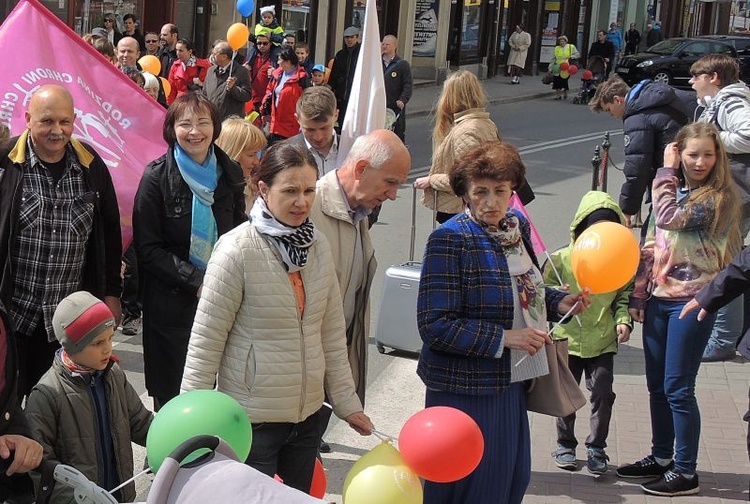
{"x":83,"y":411}
{"x":592,"y":340}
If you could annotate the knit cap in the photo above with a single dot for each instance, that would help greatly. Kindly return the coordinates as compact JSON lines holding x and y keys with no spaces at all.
{"x":79,"y":319}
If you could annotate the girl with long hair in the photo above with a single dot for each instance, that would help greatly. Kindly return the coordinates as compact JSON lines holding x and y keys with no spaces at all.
{"x":693,"y":234}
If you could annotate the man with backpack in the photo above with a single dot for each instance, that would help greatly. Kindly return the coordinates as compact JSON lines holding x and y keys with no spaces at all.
{"x":726,"y":102}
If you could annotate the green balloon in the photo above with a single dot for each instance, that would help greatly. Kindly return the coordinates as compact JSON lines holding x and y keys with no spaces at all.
{"x":554,"y":68}
{"x":196,"y":413}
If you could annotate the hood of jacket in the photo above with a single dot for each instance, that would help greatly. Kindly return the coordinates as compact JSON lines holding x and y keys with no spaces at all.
{"x":593,"y":200}
{"x":648,"y":94}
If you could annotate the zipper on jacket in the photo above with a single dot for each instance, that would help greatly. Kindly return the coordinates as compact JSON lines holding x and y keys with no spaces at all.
{"x":303,"y":358}
{"x":97,"y":427}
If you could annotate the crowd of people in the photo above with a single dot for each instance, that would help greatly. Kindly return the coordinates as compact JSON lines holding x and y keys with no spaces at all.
{"x":251,"y":265}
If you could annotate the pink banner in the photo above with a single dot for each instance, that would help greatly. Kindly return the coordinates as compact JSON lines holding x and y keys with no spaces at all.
{"x":113,"y":115}
{"x":536,"y":240}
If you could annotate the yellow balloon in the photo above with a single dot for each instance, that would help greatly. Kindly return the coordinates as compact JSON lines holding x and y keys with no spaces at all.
{"x":237,"y":36}
{"x":564,"y":74}
{"x":381,"y":477}
{"x":166,"y":85}
{"x":150,"y":64}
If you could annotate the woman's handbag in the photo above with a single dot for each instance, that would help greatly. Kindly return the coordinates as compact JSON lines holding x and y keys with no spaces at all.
{"x":556,"y":394}
{"x":547,"y":78}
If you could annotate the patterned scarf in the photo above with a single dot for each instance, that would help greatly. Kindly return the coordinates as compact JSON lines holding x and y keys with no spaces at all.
{"x":292,"y":243}
{"x":72,"y":366}
{"x":530,"y":286}
{"x":202,"y":180}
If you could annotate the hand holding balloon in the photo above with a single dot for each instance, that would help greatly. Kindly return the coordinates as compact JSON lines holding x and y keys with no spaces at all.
{"x":360,"y":423}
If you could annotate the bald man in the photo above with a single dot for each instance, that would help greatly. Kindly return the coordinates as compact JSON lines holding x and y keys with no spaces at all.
{"x":377,"y":164}
{"x":398,"y":83}
{"x":60,"y":221}
{"x":128,"y":51}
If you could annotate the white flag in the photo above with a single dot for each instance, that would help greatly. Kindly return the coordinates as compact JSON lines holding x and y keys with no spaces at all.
{"x":366,"y":109}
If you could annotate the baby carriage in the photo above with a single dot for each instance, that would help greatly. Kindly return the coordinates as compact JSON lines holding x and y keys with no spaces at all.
{"x":216,"y":477}
{"x":594,"y":74}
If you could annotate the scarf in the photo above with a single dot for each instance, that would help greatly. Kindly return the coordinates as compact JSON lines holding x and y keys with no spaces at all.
{"x":292,"y":243}
{"x":72,"y":366}
{"x":529,"y":285}
{"x":202,"y":181}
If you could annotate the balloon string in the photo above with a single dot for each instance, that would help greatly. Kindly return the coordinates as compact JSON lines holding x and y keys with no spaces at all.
{"x":554,"y":326}
{"x":145,"y":471}
{"x":382,"y":436}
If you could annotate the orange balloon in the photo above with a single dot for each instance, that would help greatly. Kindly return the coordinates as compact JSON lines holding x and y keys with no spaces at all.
{"x":319,"y":481}
{"x":237,"y":36}
{"x":605,"y":257}
{"x":150,"y":63}
{"x":166,"y":85}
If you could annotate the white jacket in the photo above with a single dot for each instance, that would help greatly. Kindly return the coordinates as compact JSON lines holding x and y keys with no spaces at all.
{"x":730,"y":111}
{"x":248,"y":330}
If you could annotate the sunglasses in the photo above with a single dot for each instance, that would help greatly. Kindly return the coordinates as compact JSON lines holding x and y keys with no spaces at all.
{"x":109,"y":20}
{"x":152,"y":41}
{"x":262,"y":43}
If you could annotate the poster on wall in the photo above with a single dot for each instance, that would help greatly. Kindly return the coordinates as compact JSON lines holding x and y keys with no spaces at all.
{"x":425,"y":28}
{"x":549,"y":41}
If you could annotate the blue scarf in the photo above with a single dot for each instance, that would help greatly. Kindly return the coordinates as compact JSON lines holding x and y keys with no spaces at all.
{"x":202,"y":180}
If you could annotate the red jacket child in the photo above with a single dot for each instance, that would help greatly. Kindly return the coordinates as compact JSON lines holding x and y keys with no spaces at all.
{"x":181,"y":77}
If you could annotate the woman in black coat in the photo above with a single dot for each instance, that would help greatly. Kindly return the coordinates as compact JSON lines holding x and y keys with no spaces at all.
{"x":185,"y":201}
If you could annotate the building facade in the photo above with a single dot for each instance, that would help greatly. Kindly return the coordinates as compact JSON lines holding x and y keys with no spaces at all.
{"x":435,"y":35}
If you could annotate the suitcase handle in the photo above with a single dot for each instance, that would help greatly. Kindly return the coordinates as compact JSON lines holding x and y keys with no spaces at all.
{"x":413,"y":222}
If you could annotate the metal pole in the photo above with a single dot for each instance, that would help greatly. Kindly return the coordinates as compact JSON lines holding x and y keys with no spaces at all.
{"x":596,"y":162}
{"x":605,"y":161}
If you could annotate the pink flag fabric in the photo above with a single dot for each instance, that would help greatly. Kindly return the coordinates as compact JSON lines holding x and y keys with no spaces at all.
{"x":366,"y":109}
{"x":113,"y":115}
{"x":536,"y":240}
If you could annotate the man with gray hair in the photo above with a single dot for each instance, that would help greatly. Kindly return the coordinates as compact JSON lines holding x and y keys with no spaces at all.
{"x":377,"y":164}
{"x":227,"y":85}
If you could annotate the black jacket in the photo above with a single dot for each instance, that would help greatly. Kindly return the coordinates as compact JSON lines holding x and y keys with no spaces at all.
{"x":162,"y":221}
{"x":398,"y":82}
{"x":604,"y":50}
{"x":101,"y":271}
{"x":167,"y":59}
{"x":653,"y":36}
{"x":632,"y":39}
{"x":654,"y":113}
{"x":342,"y":75}
{"x":731,"y":282}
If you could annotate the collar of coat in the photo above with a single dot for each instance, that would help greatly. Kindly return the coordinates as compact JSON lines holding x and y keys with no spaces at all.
{"x":18,"y":153}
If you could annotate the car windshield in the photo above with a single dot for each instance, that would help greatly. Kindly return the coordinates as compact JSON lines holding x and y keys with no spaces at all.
{"x":665,"y":46}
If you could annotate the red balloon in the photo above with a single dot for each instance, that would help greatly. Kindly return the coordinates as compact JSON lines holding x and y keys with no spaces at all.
{"x":588,"y":74}
{"x":564,"y":65}
{"x":441,"y":444}
{"x":319,"y":481}
{"x":572,"y":69}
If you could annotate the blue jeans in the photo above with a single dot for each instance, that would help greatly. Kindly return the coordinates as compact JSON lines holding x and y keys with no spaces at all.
{"x":673,"y":349}
{"x":286,"y":449}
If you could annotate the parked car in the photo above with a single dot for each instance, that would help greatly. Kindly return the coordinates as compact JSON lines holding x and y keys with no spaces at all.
{"x":669,"y":61}
{"x":741,"y":44}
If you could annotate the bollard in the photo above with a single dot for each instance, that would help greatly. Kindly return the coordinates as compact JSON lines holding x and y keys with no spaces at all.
{"x":596,"y":162}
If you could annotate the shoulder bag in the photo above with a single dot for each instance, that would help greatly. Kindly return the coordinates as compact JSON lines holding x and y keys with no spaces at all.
{"x":556,"y":394}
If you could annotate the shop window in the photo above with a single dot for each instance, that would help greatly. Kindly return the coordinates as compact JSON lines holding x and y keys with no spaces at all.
{"x":295,"y":18}
{"x":471,"y":24}
{"x":90,"y":14}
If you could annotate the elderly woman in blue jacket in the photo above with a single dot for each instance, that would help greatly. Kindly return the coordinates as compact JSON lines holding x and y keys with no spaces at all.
{"x":482,"y":307}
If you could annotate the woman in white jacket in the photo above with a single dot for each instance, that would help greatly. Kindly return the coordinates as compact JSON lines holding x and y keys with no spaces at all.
{"x":270,"y":322}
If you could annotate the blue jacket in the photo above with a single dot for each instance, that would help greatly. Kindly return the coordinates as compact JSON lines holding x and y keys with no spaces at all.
{"x":616,"y":38}
{"x":465,"y":303}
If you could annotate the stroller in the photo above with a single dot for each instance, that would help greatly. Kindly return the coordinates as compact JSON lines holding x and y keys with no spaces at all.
{"x":596,"y":70}
{"x":217,"y":476}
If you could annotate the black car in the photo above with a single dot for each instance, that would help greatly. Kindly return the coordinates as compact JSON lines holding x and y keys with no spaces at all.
{"x":669,"y":61}
{"x":741,"y":44}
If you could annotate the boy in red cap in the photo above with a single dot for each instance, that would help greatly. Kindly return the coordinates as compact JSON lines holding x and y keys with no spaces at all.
{"x":83,"y":411}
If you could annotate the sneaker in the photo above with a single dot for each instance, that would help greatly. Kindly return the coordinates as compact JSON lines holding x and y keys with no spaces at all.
{"x":565,"y":458}
{"x":672,"y":484}
{"x":644,"y":468}
{"x":131,"y":327}
{"x":597,"y":461}
{"x":324,"y":447}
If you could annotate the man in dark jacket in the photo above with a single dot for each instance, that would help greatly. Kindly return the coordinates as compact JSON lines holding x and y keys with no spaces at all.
{"x":654,"y":35}
{"x":398,"y":83}
{"x":61,"y":225}
{"x":730,"y":283}
{"x":342,"y":71}
{"x":228,"y":92}
{"x":632,"y":40}
{"x":604,"y":49}
{"x":167,"y":53}
{"x":652,"y":113}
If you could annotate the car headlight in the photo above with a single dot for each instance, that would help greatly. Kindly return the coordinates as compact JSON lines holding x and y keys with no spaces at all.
{"x":645,"y":64}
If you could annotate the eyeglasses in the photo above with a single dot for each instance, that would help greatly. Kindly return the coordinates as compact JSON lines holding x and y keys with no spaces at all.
{"x":696,"y":75}
{"x":262,"y":43}
{"x":109,"y":20}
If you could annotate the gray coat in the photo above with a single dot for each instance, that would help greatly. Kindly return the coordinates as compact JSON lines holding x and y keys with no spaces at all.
{"x":231,"y":102}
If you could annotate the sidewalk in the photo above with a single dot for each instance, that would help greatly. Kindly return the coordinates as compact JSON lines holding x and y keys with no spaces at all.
{"x":499,"y":90}
{"x":723,"y":466}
